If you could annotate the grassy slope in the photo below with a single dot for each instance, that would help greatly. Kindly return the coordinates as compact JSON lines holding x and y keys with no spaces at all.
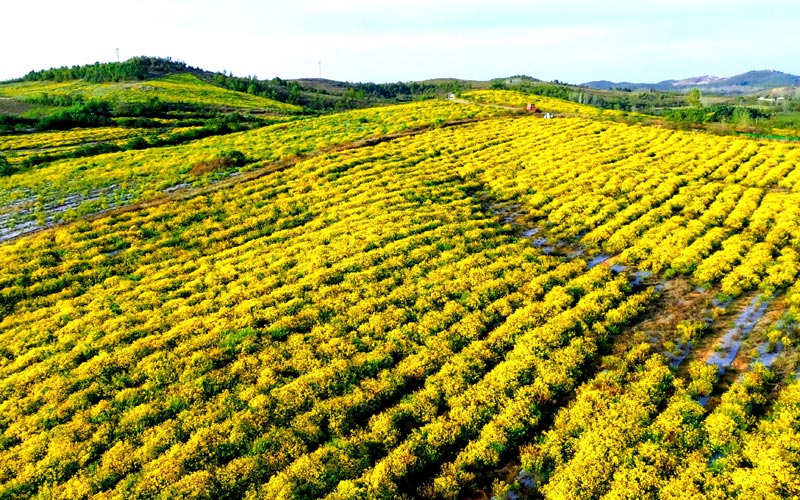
{"x":184,"y":87}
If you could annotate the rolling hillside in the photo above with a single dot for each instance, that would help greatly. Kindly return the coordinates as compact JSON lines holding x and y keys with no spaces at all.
{"x":184,"y":88}
{"x":438,"y":299}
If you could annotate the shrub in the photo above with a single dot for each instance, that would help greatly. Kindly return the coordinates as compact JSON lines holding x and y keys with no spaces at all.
{"x":225,"y":159}
{"x":137,"y":143}
{"x":5,"y":167}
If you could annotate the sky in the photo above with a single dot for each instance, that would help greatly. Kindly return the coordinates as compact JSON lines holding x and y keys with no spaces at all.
{"x":389,"y":41}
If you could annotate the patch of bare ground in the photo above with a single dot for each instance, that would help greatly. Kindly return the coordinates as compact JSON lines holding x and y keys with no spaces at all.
{"x":9,"y":106}
{"x":679,"y":302}
{"x":743,"y":314}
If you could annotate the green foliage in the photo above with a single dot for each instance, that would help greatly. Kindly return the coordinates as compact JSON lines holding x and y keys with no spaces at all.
{"x":63,"y":100}
{"x":233,"y":158}
{"x":693,"y":98}
{"x":137,"y":142}
{"x":80,"y":152}
{"x":11,"y":124}
{"x":136,"y":68}
{"x":719,"y":113}
{"x":5,"y":167}
{"x":90,"y":114}
{"x":137,"y":122}
{"x":150,"y":108}
{"x":554,"y":91}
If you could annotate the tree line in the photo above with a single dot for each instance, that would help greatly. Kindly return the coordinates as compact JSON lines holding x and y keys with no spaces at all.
{"x":346,"y":96}
{"x":135,"y":68}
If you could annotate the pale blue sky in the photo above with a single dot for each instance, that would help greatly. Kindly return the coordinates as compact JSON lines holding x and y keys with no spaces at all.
{"x":387,"y":41}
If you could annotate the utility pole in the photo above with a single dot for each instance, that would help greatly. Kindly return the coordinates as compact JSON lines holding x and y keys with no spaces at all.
{"x":320,"y":69}
{"x":117,"y":55}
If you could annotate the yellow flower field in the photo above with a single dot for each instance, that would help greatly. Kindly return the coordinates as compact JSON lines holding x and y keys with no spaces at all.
{"x":421,"y":317}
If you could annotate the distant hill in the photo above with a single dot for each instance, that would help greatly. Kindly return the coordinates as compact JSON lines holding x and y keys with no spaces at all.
{"x":746,"y":83}
{"x":762,"y":80}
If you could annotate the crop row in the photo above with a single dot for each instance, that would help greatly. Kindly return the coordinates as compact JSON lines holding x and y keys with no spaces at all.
{"x":362,"y":324}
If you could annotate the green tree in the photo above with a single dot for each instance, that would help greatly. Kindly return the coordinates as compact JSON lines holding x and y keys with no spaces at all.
{"x":694,"y":98}
{"x":742,"y":117}
{"x":294,"y":93}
